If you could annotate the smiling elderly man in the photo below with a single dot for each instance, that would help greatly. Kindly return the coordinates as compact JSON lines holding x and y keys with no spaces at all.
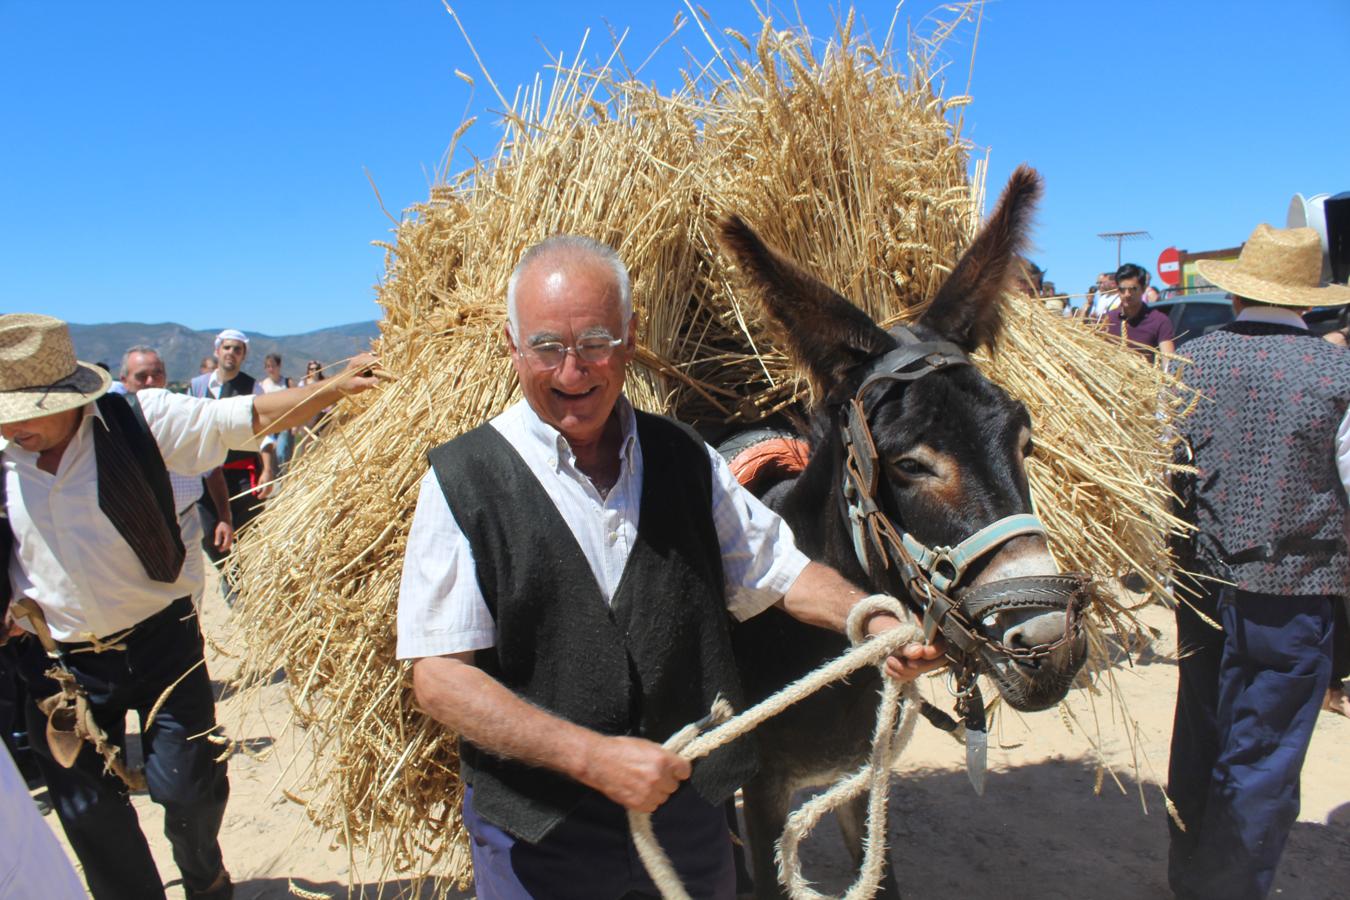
{"x":565,"y":595}
{"x":98,"y":552}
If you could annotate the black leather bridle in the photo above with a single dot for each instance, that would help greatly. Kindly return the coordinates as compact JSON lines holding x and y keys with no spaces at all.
{"x":931,"y":575}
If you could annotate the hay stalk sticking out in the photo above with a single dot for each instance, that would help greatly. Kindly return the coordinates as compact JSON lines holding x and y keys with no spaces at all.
{"x":847,"y":161}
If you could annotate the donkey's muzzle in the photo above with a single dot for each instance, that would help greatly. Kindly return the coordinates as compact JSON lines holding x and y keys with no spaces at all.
{"x":1034,"y":661}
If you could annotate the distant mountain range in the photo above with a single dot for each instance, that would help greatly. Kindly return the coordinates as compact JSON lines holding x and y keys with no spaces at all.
{"x":182,"y":348}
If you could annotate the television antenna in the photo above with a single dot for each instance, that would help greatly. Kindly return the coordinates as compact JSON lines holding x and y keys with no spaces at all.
{"x":1121,"y":237}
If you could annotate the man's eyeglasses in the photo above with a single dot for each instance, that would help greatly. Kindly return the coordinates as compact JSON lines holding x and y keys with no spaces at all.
{"x":550,"y":354}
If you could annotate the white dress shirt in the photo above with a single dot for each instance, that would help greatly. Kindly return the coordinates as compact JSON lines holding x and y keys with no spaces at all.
{"x":67,"y":555}
{"x":32,"y":864}
{"x":1103,"y":302}
{"x":213,"y":386}
{"x":441,"y":609}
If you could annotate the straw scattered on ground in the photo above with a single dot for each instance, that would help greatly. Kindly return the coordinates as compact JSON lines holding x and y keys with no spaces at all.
{"x":845,"y":155}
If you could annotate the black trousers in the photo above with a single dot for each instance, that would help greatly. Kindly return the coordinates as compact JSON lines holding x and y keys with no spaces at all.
{"x":12,"y":721}
{"x":1340,"y":635}
{"x":244,"y":507}
{"x":1247,"y":701}
{"x":180,"y":763}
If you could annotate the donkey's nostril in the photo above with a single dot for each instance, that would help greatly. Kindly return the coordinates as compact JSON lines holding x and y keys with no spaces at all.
{"x":1036,"y":631}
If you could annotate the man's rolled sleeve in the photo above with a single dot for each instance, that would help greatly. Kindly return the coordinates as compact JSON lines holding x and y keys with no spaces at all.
{"x":441,"y":609}
{"x":760,"y":560}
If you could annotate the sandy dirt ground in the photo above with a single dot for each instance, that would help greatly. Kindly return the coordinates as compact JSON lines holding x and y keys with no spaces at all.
{"x":1041,"y":831}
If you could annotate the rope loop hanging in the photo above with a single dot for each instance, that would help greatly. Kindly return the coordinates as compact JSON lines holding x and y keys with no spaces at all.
{"x":893,"y":730}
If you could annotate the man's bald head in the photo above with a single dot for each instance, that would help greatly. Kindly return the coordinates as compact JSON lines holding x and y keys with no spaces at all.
{"x":565,"y":251}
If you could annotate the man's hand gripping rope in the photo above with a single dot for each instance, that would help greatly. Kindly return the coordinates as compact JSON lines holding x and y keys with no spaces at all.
{"x":892,"y":732}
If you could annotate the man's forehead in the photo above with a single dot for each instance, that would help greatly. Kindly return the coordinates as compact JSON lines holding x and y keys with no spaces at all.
{"x":233,"y":345}
{"x":556,"y":290}
{"x":142,"y":358}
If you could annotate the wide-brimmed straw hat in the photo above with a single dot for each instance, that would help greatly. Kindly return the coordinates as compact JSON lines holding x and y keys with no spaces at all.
{"x":1277,"y":265}
{"x":39,"y":374}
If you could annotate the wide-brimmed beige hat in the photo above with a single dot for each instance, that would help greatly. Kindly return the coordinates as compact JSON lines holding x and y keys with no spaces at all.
{"x":39,"y":374}
{"x":1277,"y":265}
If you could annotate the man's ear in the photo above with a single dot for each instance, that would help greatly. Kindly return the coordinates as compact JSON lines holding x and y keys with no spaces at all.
{"x":510,"y":339}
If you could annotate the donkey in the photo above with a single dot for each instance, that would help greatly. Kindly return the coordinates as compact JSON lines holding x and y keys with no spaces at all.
{"x":949,"y":466}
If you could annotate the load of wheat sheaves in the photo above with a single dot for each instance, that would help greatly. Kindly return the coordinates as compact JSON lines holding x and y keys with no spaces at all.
{"x":844,"y":154}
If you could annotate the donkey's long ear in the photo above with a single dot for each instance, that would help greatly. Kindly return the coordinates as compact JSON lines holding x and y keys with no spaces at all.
{"x":968,"y":308}
{"x":826,"y":334}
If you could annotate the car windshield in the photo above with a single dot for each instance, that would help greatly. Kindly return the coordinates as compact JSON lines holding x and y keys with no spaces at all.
{"x":1196,"y":319}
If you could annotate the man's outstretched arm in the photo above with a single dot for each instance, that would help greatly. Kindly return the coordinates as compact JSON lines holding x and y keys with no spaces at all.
{"x":822,"y":597}
{"x":292,"y":407}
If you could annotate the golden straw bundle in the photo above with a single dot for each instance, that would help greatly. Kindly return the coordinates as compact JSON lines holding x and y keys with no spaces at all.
{"x":844,"y":158}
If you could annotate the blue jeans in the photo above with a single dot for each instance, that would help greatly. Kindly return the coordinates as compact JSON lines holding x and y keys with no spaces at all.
{"x":590,"y":855}
{"x":1247,"y":701}
{"x":180,"y":763}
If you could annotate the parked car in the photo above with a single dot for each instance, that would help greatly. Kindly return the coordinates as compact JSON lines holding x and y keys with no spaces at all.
{"x":1200,"y":312}
{"x":1196,"y":314}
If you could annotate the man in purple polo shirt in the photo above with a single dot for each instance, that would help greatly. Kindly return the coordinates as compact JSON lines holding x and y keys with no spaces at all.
{"x":1147,"y":329}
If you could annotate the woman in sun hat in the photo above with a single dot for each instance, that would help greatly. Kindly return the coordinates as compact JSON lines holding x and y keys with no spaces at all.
{"x":1269,"y":444}
{"x":97,"y":564}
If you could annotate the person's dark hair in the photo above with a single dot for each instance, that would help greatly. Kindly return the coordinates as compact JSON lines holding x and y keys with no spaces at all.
{"x":314,"y":368}
{"x":1033,"y":275}
{"x":273,"y":358}
{"x":1130,"y":270}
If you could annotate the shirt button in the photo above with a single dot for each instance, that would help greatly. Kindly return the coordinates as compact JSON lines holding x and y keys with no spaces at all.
{"x":612,"y":536}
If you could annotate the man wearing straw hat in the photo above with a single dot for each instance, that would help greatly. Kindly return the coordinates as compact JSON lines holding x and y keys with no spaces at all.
{"x":97,"y":569}
{"x":1270,"y":445}
{"x":550,"y":623}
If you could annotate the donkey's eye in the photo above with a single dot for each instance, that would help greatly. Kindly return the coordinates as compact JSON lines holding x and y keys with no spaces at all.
{"x":910,"y":467}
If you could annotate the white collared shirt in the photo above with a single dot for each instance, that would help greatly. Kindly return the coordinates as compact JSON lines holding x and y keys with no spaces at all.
{"x":67,"y":555}
{"x":213,"y":385}
{"x":32,"y":864}
{"x":1103,"y":302}
{"x":441,"y":609}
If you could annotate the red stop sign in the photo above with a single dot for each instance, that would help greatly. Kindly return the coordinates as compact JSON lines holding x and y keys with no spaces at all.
{"x":1169,"y":266}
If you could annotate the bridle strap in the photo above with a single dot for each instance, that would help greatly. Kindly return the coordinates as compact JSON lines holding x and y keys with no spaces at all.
{"x":947,"y":565}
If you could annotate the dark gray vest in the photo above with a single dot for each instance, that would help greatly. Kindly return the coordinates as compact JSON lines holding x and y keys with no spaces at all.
{"x":1268,"y":501}
{"x":241,"y":385}
{"x":647,"y":664}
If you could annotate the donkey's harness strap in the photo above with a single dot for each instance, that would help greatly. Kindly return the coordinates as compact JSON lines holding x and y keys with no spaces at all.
{"x":946,"y":565}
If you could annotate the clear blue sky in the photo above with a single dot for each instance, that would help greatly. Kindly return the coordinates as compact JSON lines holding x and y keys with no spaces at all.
{"x":205,"y":163}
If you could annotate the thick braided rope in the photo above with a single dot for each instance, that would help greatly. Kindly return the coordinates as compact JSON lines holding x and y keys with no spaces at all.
{"x":692,"y":746}
{"x":892,"y":732}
